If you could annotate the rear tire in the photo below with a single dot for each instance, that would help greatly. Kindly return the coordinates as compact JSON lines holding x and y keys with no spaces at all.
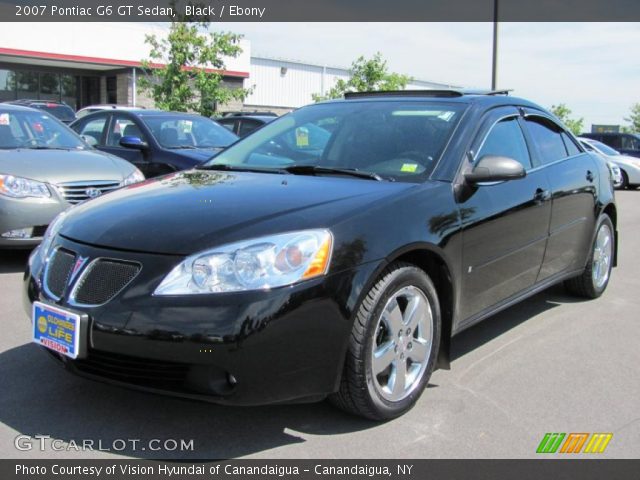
{"x":393,"y":345}
{"x":594,"y":279}
{"x":625,"y":180}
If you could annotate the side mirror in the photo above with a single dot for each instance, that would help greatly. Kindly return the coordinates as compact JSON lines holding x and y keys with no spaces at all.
{"x":491,"y":168}
{"x":133,"y":142}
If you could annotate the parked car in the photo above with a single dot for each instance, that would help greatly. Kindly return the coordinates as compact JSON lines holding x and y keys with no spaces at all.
{"x":625,"y":143}
{"x":243,"y":125}
{"x":287,"y":270}
{"x":629,"y":166}
{"x":155,"y":141}
{"x":60,"y":110}
{"x":44,"y":169}
{"x":99,"y":108}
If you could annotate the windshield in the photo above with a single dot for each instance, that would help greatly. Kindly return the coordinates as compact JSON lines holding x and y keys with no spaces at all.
{"x":31,"y":129}
{"x":395,"y":140}
{"x":188,"y":131}
{"x":606,"y":149}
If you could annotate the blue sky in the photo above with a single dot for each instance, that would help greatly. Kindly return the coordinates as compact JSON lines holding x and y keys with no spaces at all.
{"x":594,"y":68}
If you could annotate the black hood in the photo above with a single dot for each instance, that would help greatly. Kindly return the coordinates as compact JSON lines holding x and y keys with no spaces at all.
{"x":187,"y":212}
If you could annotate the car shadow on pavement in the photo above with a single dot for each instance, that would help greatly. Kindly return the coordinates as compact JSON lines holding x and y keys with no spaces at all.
{"x":502,"y":322}
{"x":13,"y":261}
{"x":39,"y":398}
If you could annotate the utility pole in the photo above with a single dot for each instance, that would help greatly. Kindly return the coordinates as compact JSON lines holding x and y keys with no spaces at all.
{"x":494,"y":67}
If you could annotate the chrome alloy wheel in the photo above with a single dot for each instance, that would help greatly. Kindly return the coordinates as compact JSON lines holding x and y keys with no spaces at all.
{"x":402,"y":345}
{"x":602,"y":256}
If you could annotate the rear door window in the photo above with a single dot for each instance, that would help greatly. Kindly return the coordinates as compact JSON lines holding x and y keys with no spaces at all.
{"x":614,"y":141}
{"x":572,"y":148}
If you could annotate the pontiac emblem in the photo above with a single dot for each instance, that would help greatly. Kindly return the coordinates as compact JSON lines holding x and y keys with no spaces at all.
{"x":80,"y":262}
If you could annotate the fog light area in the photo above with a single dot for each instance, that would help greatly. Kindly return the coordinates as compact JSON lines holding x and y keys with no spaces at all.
{"x":19,"y":233}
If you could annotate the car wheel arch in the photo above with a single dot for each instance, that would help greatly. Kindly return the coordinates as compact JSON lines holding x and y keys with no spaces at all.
{"x":432,"y":261}
{"x":612,"y":212}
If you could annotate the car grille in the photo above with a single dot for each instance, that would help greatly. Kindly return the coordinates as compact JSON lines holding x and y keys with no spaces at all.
{"x":133,"y":370}
{"x":58,"y":271}
{"x":76,"y":192}
{"x":102,"y":280}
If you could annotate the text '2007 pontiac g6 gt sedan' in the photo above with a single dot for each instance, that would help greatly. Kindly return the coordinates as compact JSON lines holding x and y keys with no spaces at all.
{"x":333,"y":253}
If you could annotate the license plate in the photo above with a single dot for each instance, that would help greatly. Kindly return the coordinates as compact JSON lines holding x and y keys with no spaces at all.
{"x":58,"y":329}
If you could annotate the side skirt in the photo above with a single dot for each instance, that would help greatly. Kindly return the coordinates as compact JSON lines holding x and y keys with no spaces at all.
{"x":517,"y":298}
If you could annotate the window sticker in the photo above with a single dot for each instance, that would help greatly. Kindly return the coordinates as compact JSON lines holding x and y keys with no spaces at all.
{"x":409,"y":167}
{"x":302,"y":137}
{"x":4,"y":119}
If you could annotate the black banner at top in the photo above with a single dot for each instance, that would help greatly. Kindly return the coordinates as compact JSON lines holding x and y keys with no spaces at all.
{"x":320,"y":10}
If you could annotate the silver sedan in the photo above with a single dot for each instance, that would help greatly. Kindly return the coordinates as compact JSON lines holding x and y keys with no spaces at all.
{"x":45,"y":168}
{"x":629,"y":166}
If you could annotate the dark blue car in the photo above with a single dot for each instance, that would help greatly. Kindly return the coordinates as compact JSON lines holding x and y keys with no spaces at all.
{"x":155,"y":141}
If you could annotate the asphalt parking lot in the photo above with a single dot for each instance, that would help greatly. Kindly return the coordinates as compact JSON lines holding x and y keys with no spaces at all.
{"x":550,"y":364}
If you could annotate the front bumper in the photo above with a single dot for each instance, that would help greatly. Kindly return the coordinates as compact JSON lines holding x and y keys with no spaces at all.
{"x":243,"y":348}
{"x":19,"y":213}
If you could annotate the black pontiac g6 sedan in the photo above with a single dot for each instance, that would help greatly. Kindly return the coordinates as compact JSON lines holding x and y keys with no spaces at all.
{"x":334,"y":252}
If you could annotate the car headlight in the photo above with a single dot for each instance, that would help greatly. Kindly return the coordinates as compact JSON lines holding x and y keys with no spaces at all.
{"x":135,"y":177}
{"x":259,"y":264}
{"x":18,"y":187}
{"x":52,"y":230}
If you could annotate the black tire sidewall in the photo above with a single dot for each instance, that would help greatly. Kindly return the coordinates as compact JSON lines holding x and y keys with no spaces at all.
{"x":625,"y":181}
{"x":402,"y":277}
{"x":604,"y":219}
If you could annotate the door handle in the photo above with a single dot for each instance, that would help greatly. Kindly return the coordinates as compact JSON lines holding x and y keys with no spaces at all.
{"x":542,"y":195}
{"x":590,"y":176}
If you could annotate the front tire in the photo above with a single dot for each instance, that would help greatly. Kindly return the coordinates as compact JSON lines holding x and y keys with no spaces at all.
{"x":594,"y":279}
{"x":393,"y":345}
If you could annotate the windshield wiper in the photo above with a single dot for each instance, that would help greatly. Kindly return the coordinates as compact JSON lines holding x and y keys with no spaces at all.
{"x":45,"y":147}
{"x":183,"y":147}
{"x":315,"y":170}
{"x":239,"y":168}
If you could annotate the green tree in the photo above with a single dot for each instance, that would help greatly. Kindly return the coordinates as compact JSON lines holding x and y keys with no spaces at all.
{"x":564,"y":114}
{"x":183,"y":68}
{"x":367,"y":76}
{"x":634,"y":118}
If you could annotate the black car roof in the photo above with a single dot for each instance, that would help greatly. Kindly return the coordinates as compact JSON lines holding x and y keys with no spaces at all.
{"x":12,"y":107}
{"x":232,"y":118}
{"x":27,"y":101}
{"x":477,"y":97}
{"x":139,"y":112}
{"x":153,"y":113}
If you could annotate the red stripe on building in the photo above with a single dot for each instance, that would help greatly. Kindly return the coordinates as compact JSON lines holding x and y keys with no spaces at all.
{"x":100,"y":61}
